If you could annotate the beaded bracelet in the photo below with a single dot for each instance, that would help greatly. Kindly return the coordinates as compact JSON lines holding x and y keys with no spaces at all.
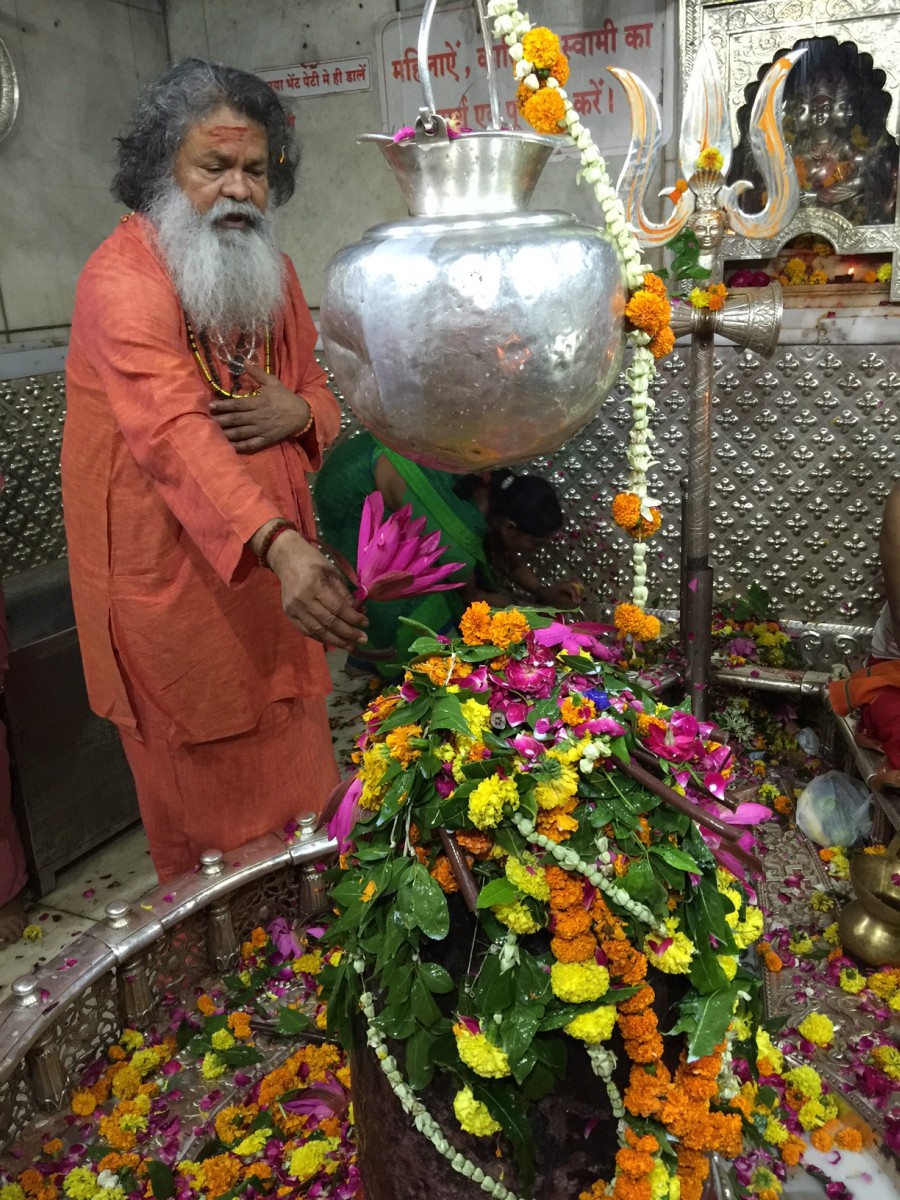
{"x":278,"y":528}
{"x":309,"y":424}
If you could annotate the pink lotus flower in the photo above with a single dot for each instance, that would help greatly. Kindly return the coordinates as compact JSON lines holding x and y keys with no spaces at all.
{"x":394,"y":560}
{"x":572,"y":639}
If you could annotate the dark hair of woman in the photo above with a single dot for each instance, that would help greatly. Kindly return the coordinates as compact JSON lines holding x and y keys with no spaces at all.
{"x":528,"y":501}
{"x":183,"y":95}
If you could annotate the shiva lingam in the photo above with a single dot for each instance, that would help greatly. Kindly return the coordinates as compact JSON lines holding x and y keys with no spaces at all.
{"x":870,"y":923}
{"x":473,"y":334}
{"x":750,"y":319}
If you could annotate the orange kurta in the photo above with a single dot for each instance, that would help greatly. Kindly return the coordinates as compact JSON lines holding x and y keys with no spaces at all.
{"x":182,"y":633}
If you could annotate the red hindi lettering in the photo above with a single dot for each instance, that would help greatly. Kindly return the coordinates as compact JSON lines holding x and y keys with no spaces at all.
{"x":638,"y":36}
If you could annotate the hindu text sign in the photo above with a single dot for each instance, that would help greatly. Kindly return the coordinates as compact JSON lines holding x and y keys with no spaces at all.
{"x":630,"y":35}
{"x":320,"y":79}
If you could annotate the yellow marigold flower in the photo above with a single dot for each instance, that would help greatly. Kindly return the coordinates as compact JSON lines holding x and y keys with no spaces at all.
{"x":541,"y":47}
{"x":817,"y":1028}
{"x":821,"y":901}
{"x":579,"y":982}
{"x":729,"y":964}
{"x":766,"y":1048}
{"x":887,"y":1059}
{"x":473,"y":1116}
{"x":478,"y":1053}
{"x":131,"y":1039}
{"x":252,"y":1144}
{"x":477,"y":716}
{"x":212,"y":1066}
{"x":628,"y":619}
{"x":83,"y":1103}
{"x":527,"y":877}
{"x":147,"y":1060}
{"x":33,"y":932}
{"x":222,"y":1040}
{"x":676,"y":958}
{"x":308,"y":964}
{"x":11,"y":1191}
{"x":804,"y":1080}
{"x":544,"y":110}
{"x":397,"y":741}
{"x":884,"y":983}
{"x":749,"y":930}
{"x":371,"y":773}
{"x":775,"y":1133}
{"x":817,"y":278}
{"x":699,"y":297}
{"x":852,"y":981}
{"x":884,"y":273}
{"x":812,"y":1115}
{"x":81,"y":1184}
{"x":307,"y":1160}
{"x":517,"y":917}
{"x":710,"y":159}
{"x":593,"y":1027}
{"x":126,"y":1083}
{"x":475,"y":624}
{"x":557,"y":782}
{"x":486,"y":802}
{"x":801,"y":945}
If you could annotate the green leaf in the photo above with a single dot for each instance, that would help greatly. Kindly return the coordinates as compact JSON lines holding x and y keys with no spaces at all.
{"x":422,"y":1004}
{"x":675,"y":857}
{"x":498,"y":891}
{"x":240,"y":1056}
{"x":447,"y":714}
{"x":291,"y":1021}
{"x":518,"y":1029}
{"x":413,"y":713}
{"x":162,"y":1181}
{"x":507,"y":1108}
{"x":436,"y":978}
{"x":706,"y":971}
{"x":641,"y":884}
{"x":419,"y":1067}
{"x":428,"y":645}
{"x":619,"y":747}
{"x":422,"y":900}
{"x":705,"y":1019}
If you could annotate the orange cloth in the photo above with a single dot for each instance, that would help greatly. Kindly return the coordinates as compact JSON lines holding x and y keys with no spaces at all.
{"x":174,"y":614}
{"x":863,"y":685}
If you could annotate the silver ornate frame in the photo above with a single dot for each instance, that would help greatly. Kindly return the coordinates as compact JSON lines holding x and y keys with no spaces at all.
{"x":746,"y":35}
{"x":9,"y":92}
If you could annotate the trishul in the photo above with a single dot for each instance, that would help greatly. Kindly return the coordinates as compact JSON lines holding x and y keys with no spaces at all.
{"x":751,"y":318}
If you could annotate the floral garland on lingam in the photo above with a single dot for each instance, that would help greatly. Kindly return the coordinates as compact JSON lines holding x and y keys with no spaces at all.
{"x":542,"y":70}
{"x":518,"y":766}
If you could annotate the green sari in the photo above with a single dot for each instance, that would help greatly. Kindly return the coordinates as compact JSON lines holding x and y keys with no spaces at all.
{"x":340,"y":489}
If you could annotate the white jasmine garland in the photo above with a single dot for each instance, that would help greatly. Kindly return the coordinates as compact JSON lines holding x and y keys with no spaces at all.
{"x":603,"y":1063}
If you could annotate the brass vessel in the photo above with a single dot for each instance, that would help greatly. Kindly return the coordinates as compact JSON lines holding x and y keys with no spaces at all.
{"x":870,"y":923}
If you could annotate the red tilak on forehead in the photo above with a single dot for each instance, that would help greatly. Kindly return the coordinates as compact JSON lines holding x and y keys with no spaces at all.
{"x":224,"y":133}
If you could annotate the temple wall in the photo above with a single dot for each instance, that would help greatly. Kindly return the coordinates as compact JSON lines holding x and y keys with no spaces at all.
{"x":79,"y":65}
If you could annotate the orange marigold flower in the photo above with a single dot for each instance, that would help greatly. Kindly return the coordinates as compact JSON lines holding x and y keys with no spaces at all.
{"x":849,"y":1138}
{"x":647,"y":1142}
{"x":646,"y":528}
{"x":239,"y":1024}
{"x":508,"y":628}
{"x":544,"y":110}
{"x":443,"y":874}
{"x":576,"y":949}
{"x":565,"y":889}
{"x":116,"y":1162}
{"x":557,"y":823}
{"x":437,"y":668}
{"x":792,"y":1151}
{"x":597,"y":1191}
{"x":634,"y":1162}
{"x":83,"y":1104}
{"x":560,"y":69}
{"x":715,"y":302}
{"x":259,"y":937}
{"x":115,"y":1053}
{"x":475,"y":624}
{"x":637,"y":1026}
{"x":627,"y":1188}
{"x":52,"y":1146}
{"x":576,"y":709}
{"x":30,"y":1180}
{"x":572,"y":921}
{"x":645,"y":723}
{"x":397,"y":741}
{"x":626,"y":509}
{"x":652,"y":281}
{"x":648,"y":311}
{"x":645,"y":1092}
{"x":648,"y":1050}
{"x":821,"y":1140}
{"x":478,"y":844}
{"x":662,"y":343}
{"x":638,"y":1002}
{"x":220,"y":1173}
{"x":206,"y":1005}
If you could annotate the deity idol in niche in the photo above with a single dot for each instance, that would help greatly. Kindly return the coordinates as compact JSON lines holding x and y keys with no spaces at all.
{"x":830,"y":168}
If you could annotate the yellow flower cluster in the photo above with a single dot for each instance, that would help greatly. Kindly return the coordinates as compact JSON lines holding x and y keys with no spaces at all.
{"x":710,"y":159}
{"x":649,"y":310}
{"x":371,"y":774}
{"x":482,"y":1056}
{"x":579,"y":982}
{"x":593,"y":1027}
{"x":473,"y":1116}
{"x":676,"y":958}
{"x":817,"y":1028}
{"x":887,"y":1059}
{"x":531,"y":880}
{"x":517,"y":917}
{"x":486,"y":802}
{"x":626,"y":512}
{"x":307,"y":1160}
{"x":557,"y":782}
{"x":712,"y":297}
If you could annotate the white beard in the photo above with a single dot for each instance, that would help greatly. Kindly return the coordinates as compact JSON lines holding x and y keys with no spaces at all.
{"x":228,"y":279}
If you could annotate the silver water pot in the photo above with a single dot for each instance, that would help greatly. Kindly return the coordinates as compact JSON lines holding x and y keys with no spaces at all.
{"x":474,"y":334}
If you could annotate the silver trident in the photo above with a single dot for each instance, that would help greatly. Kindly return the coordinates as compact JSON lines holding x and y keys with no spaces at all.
{"x":750,"y":318}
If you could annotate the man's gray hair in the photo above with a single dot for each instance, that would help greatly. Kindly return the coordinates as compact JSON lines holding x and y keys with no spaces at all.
{"x":184,"y":94}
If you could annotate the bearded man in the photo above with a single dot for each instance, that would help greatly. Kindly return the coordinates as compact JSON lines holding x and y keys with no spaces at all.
{"x":195,"y":412}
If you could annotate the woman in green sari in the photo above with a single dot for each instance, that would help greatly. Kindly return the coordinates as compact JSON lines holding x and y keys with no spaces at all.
{"x":484,"y":522}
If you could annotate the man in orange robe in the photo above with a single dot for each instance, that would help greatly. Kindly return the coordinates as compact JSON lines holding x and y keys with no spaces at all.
{"x":195,"y":412}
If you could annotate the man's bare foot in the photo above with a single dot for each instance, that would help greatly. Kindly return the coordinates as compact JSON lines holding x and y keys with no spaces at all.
{"x":12,"y":921}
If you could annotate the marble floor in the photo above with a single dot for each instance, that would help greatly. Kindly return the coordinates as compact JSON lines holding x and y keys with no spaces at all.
{"x":121,"y":867}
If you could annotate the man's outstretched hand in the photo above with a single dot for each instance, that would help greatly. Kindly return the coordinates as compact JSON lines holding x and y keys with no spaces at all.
{"x":314,"y":594}
{"x":251,"y":423}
